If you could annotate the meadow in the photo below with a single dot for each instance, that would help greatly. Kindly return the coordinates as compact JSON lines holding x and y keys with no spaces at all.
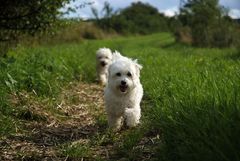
{"x":191,"y":104}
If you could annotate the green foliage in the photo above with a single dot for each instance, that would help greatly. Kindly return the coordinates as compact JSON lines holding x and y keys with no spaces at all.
{"x":139,"y":18}
{"x":76,"y":151}
{"x":26,"y":17}
{"x":209,"y":24}
{"x":7,"y":124}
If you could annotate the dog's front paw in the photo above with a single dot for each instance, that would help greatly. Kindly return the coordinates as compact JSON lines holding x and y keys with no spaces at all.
{"x":132,"y":117}
{"x":115,"y":123}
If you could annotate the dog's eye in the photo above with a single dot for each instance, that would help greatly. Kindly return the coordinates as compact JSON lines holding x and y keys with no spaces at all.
{"x":106,"y":57}
{"x":129,"y":74}
{"x":99,"y":57}
{"x":118,"y":74}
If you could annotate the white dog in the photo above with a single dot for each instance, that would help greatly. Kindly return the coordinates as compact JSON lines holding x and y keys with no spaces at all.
{"x":103,"y":60}
{"x":123,"y":92}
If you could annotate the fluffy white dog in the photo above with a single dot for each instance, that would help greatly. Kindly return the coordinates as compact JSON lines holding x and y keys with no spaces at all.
{"x":103,"y":60}
{"x":123,"y":92}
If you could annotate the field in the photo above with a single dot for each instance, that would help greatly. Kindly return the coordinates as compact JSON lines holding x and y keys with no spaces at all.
{"x":51,"y":107}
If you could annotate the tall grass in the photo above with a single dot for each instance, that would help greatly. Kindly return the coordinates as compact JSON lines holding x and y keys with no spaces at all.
{"x":196,"y":100}
{"x":191,"y":94}
{"x":42,"y":71}
{"x":67,"y":32}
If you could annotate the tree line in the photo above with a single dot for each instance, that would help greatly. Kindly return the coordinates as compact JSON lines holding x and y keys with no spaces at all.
{"x":202,"y":23}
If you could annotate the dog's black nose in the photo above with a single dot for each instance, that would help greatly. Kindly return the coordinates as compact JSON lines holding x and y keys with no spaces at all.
{"x":103,"y":63}
{"x":123,"y":82}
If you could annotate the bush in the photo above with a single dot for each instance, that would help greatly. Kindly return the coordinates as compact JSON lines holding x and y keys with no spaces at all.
{"x":184,"y":35}
{"x":208,"y":23}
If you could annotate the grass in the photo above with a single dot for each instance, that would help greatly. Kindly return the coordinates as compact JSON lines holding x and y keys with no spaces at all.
{"x":76,"y":151}
{"x":191,"y":95}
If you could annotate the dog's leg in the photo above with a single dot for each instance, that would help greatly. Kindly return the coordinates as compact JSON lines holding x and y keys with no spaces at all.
{"x":102,"y":79}
{"x":115,"y":122}
{"x":132,"y":116}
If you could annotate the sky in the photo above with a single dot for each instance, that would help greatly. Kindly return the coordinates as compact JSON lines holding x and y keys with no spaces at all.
{"x":168,"y":7}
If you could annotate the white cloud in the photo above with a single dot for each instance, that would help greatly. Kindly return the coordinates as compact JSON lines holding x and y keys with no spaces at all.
{"x":170,"y":11}
{"x":234,"y":13}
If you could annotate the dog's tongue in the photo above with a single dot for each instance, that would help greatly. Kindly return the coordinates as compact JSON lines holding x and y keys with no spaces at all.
{"x":123,"y":88}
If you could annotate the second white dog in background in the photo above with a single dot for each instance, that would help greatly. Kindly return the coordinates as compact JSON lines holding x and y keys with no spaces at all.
{"x":123,"y":92}
{"x":103,"y":60}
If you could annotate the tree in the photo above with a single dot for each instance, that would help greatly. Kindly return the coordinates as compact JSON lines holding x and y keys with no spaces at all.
{"x":107,"y":12}
{"x":95,"y":13}
{"x":138,"y":18}
{"x":26,"y":17}
{"x":201,"y":16}
{"x":143,"y":18}
{"x":23,"y":16}
{"x":208,"y":22}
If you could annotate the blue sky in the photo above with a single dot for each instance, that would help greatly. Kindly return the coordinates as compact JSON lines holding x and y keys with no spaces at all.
{"x":168,"y":7}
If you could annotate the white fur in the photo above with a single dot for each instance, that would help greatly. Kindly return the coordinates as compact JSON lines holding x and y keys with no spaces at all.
{"x":103,"y":60}
{"x":123,"y":103}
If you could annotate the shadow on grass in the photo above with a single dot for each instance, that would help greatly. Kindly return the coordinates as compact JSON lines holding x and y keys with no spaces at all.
{"x":52,"y":136}
{"x":233,"y":56}
{"x":43,"y":142}
{"x":174,"y":45}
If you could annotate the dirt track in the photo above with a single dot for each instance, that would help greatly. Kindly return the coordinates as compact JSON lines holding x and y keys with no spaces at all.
{"x":71,"y":120}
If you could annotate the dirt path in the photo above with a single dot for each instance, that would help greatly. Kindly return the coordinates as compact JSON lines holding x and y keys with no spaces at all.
{"x":46,"y":129}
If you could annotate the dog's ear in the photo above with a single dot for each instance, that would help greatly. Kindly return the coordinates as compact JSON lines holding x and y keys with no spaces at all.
{"x":138,"y":67}
{"x":116,"y":55}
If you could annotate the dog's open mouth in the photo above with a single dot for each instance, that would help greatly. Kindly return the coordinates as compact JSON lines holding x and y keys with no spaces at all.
{"x":123,"y":88}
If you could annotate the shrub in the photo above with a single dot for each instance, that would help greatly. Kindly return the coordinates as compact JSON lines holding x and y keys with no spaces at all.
{"x":209,"y":25}
{"x":184,"y":35}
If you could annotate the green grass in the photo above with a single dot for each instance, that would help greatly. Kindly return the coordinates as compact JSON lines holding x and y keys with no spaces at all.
{"x":191,"y":95}
{"x":76,"y":151}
